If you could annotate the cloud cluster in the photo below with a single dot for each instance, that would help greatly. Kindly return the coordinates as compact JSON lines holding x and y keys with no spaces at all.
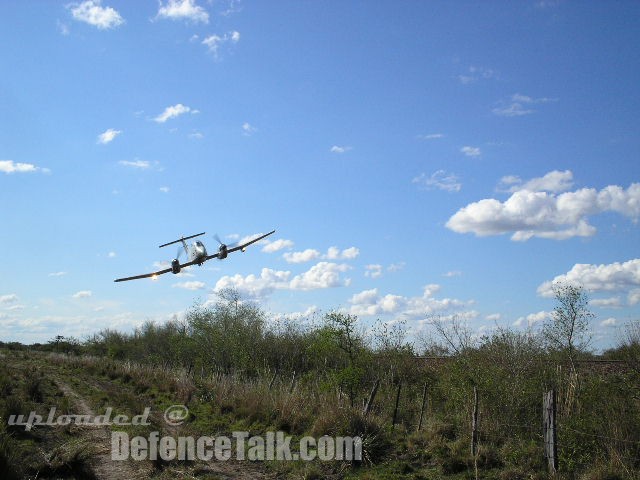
{"x":372,"y":303}
{"x":9,"y":166}
{"x":214,"y":42}
{"x":320,"y":276}
{"x":440,"y":179}
{"x":519,"y":105}
{"x":333,"y":253}
{"x":93,"y":13}
{"x":613,"y":277}
{"x":183,"y":10}
{"x":531,"y":213}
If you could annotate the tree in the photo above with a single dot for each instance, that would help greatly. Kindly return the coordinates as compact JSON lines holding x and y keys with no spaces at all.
{"x":568,"y":328}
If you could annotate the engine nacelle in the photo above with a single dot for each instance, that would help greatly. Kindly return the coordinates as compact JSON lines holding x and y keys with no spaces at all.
{"x":222,"y":252}
{"x":175,"y":266}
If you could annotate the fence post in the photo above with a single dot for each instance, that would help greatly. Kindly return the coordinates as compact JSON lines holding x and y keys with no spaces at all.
{"x":474,"y":424}
{"x":395,"y":410}
{"x":372,"y":396}
{"x":549,"y":430}
{"x":424,"y":402}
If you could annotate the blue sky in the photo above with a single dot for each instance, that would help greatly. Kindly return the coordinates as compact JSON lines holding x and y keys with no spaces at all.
{"x":416,"y":159}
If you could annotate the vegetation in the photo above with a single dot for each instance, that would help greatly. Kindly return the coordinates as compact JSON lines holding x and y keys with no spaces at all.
{"x":236,"y":369}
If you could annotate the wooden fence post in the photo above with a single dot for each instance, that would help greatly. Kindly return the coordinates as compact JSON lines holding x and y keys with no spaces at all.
{"x":549,"y":430}
{"x":474,"y":424}
{"x":424,"y":402}
{"x":395,"y":410}
{"x":372,"y":396}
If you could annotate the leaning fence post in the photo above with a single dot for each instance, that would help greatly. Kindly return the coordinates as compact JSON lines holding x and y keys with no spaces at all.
{"x":424,"y":402}
{"x":549,"y":430}
{"x":372,"y":396}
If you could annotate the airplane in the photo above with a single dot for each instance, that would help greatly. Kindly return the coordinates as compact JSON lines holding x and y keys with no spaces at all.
{"x":197,"y":254}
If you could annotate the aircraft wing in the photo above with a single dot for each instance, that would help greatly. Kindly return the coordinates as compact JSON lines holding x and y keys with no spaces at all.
{"x":245,"y":245}
{"x":211,"y":256}
{"x":159,"y":272}
{"x":146,"y":275}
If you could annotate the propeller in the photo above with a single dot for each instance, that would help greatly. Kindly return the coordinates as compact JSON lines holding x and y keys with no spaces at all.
{"x":215,"y":235}
{"x":179,"y":253}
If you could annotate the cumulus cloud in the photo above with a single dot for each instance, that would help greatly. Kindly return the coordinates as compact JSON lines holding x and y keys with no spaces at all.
{"x":173,"y":111}
{"x":93,"y":13}
{"x":545,"y":214}
{"x":555,"y":182}
{"x":373,"y":271}
{"x":108,"y":136}
{"x":277,"y":245}
{"x":9,"y":167}
{"x":371,"y":303}
{"x":471,"y":151}
{"x":612,"y":277}
{"x":440,"y":179}
{"x":320,"y":276}
{"x":334,"y":253}
{"x":532,"y":319}
{"x":9,"y":298}
{"x":519,"y":105}
{"x":83,"y":294}
{"x":609,"y":322}
{"x":193,"y":285}
{"x":183,"y":10}
{"x":300,"y":257}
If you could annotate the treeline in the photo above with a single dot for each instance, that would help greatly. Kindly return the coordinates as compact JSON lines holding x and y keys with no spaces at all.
{"x":233,"y":346}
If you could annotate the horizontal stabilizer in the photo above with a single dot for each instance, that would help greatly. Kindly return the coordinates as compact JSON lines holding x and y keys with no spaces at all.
{"x":183,"y":238}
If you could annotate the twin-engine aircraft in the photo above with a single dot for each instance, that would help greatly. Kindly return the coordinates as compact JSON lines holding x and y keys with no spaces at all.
{"x":197,"y":254}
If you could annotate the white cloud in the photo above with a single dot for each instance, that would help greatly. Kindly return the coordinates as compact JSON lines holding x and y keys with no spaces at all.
{"x":476,"y":73}
{"x":334,"y":253}
{"x":612,"y":277}
{"x":493,"y":317}
{"x":300,"y":257}
{"x":543,"y":214}
{"x":634,"y":297}
{"x":439,"y":179}
{"x":193,"y":285}
{"x":57,"y":274}
{"x":321,"y":275}
{"x":518,"y":105}
{"x":164,"y":189}
{"x":340,"y":149}
{"x":248,"y":129}
{"x":94,"y":14}
{"x":83,"y":294}
{"x":173,"y":112}
{"x":396,"y":267}
{"x":183,"y":10}
{"x":255,"y":286}
{"x":373,"y":271}
{"x":370,"y":303}
{"x":453,"y":273}
{"x":108,"y":136}
{"x":196,"y":135}
{"x":142,"y":164}
{"x":277,"y":245}
{"x":611,"y":302}
{"x":214,"y":42}
{"x":9,"y":167}
{"x":554,"y":181}
{"x":532,"y":319}
{"x":471,"y":151}
{"x":609,"y":322}
{"x":431,"y":136}
{"x":10,"y":298}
